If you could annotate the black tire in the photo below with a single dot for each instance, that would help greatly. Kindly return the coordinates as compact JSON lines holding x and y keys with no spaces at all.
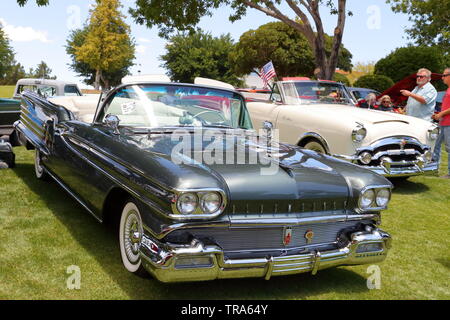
{"x":130,"y":235}
{"x":39,"y":170}
{"x":315,"y":146}
{"x":14,"y":139}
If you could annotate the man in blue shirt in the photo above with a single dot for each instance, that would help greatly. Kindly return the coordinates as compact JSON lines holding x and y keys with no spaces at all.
{"x":422,"y":99}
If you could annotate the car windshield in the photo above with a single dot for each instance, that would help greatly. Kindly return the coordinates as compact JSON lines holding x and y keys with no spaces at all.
{"x":362,"y":93}
{"x":155,"y":106}
{"x":315,"y":92}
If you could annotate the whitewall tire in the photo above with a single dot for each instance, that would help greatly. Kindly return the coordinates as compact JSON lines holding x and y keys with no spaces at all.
{"x":130,"y":235}
{"x":38,"y":168}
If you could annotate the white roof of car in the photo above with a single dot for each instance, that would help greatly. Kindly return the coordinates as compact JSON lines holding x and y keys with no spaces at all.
{"x":32,"y":81}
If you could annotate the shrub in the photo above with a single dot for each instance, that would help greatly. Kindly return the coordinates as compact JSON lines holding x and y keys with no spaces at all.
{"x":403,"y":62}
{"x":338,"y":77}
{"x":375,"y":82}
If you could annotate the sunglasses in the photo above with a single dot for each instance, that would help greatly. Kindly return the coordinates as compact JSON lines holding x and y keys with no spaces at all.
{"x":445,"y":75}
{"x":421,"y":76}
{"x":386,"y":101}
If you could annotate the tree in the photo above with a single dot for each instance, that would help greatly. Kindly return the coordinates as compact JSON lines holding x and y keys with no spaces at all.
{"x":375,"y":82}
{"x":6,"y":54}
{"x":76,"y":39}
{"x":169,"y":15}
{"x":199,"y":54}
{"x":431,"y":21}
{"x":16,"y":72}
{"x":107,"y":46}
{"x":289,"y":51}
{"x":403,"y":62}
{"x":42,"y":71}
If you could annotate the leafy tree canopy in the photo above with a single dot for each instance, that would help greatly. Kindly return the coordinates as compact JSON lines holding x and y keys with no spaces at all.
{"x":42,"y":71}
{"x":6,"y":54}
{"x":289,"y":51}
{"x":182,"y":15}
{"x":431,"y":21}
{"x":77,"y":39}
{"x":199,"y":54}
{"x":403,"y":62}
{"x":107,"y":46}
{"x":375,"y":82}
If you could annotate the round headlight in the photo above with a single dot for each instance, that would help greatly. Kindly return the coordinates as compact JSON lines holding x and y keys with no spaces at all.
{"x":366,"y":199}
{"x":359,"y":134}
{"x":365,"y":158}
{"x":187,"y":203}
{"x":211,"y":202}
{"x":383,"y":197}
{"x":433,"y":133}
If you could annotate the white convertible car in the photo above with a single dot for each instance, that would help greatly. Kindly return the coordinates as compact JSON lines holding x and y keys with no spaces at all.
{"x":320,"y":115}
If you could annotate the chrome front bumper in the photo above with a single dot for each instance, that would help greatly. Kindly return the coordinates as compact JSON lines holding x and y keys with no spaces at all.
{"x":397,"y":168}
{"x":405,"y":168}
{"x":413,"y":152}
{"x":163,"y":260}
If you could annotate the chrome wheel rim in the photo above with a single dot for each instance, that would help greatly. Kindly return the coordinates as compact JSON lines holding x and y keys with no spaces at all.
{"x":38,"y":166}
{"x":132,"y":236}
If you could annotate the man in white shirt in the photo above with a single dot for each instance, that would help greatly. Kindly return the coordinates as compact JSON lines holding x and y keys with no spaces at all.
{"x":422,"y":99}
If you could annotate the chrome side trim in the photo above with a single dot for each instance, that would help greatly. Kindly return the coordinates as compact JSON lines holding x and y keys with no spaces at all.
{"x":145,"y":200}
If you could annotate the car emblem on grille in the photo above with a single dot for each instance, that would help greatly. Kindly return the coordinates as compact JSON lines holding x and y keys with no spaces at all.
{"x":402,"y":144}
{"x":309,"y":235}
{"x":287,"y":235}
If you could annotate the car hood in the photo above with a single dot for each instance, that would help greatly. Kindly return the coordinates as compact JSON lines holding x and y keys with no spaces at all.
{"x":292,"y":176}
{"x":289,"y":173}
{"x":354,"y":114}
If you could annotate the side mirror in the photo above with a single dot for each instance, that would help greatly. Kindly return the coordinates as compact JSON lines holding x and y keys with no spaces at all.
{"x":112,"y":121}
{"x":275,"y":97}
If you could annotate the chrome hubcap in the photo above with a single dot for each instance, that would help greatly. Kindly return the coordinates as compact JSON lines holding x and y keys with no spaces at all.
{"x":132,"y":236}
{"x":39,"y":169}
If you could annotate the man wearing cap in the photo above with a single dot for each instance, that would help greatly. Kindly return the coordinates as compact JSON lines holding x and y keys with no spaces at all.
{"x":422,"y":100}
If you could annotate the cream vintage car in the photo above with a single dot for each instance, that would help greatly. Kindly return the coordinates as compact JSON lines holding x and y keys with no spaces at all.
{"x":320,"y":115}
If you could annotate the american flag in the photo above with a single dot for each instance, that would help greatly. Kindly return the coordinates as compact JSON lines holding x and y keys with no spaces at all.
{"x":267,"y":73}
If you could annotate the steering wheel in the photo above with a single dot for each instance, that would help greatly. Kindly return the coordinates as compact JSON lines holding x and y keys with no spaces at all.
{"x":188,"y":117}
{"x":223,"y":120}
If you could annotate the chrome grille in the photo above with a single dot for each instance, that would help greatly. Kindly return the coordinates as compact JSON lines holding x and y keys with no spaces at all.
{"x":267,"y":238}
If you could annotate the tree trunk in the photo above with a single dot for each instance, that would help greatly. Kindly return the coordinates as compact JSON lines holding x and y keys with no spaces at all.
{"x":98,"y":76}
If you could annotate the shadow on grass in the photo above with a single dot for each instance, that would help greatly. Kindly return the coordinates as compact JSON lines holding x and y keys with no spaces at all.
{"x":445,"y":262}
{"x":101,"y":243}
{"x":404,"y":186}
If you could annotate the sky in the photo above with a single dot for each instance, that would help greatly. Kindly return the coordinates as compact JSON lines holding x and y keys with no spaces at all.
{"x":40,"y":33}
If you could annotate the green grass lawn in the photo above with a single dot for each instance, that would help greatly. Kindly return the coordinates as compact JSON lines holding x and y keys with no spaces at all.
{"x":7,"y":91}
{"x":43,"y":232}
